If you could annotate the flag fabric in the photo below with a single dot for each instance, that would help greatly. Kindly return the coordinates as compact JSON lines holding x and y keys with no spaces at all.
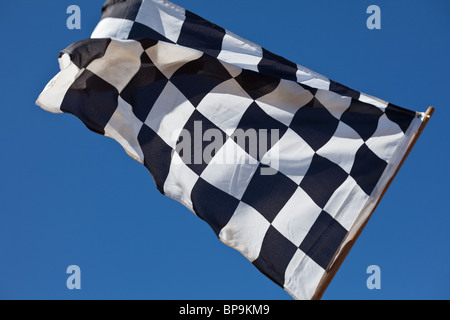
{"x":284,"y":164}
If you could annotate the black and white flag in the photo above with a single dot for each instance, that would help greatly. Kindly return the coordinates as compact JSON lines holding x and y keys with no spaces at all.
{"x":284,"y":164}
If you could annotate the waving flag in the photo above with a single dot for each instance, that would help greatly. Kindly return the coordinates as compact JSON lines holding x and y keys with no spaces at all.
{"x":284,"y":164}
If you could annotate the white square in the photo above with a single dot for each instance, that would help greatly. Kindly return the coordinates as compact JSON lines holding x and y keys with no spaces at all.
{"x":342,"y":147}
{"x":124,"y":127}
{"x":180,"y":181}
{"x":291,"y":155}
{"x":304,"y":279}
{"x":311,"y":78}
{"x":240,"y":52}
{"x":299,"y":255}
{"x":381,"y":104}
{"x":245,"y":231}
{"x":346,"y":203}
{"x":231,"y":169}
{"x":120,"y":63}
{"x":169,"y":114}
{"x":168,"y":57}
{"x":114,"y":28}
{"x":385,"y":139}
{"x":283,"y":102}
{"x":335,"y":103}
{"x":54,"y":92}
{"x":225,"y":105}
{"x":163,"y":17}
{"x":297,"y":217}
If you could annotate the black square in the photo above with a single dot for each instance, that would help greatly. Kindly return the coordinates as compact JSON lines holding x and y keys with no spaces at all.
{"x":310,"y":89}
{"x":157,"y":155}
{"x":198,"y":77}
{"x":83,"y":52}
{"x":402,"y":117}
{"x":276,"y":66}
{"x":255,"y":84}
{"x":141,"y":31}
{"x":276,"y":253}
{"x":121,"y":9}
{"x":322,"y":179}
{"x":367,"y":169}
{"x":92,"y":100}
{"x":200,"y":34}
{"x":362,"y":117}
{"x":315,"y":124}
{"x":343,"y":90}
{"x":144,"y":88}
{"x":257,"y":132}
{"x":202,"y":147}
{"x":147,"y":43}
{"x":213,"y":205}
{"x":323,"y":239}
{"x":269,"y":193}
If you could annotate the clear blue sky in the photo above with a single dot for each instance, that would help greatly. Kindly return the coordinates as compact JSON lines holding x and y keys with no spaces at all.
{"x":69,"y":196}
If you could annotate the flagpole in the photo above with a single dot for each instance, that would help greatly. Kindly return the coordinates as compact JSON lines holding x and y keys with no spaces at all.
{"x":326,"y":280}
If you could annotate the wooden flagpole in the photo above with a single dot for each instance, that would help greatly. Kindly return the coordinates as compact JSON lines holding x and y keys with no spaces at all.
{"x":326,"y":280}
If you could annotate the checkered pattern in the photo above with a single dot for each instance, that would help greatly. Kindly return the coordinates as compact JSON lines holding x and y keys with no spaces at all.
{"x":153,"y":70}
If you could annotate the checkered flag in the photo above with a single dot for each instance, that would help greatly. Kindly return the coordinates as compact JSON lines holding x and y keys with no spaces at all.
{"x":284,"y":164}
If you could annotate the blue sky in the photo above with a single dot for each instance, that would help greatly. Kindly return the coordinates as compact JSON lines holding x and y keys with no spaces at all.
{"x":72,"y":197}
